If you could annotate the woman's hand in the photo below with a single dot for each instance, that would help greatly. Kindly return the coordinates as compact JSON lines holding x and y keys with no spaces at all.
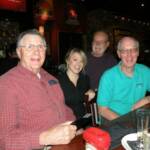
{"x":91,"y":94}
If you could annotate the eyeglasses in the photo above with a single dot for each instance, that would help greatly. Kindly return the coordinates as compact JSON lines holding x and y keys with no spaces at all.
{"x":126,"y":51}
{"x":31,"y":47}
{"x":99,"y":42}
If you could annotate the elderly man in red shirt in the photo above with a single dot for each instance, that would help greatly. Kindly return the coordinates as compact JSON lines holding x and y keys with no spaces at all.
{"x":32,"y":109}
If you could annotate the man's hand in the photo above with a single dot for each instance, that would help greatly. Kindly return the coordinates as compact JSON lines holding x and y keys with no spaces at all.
{"x":60,"y":134}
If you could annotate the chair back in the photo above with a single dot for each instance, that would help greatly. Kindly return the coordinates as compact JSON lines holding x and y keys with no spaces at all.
{"x":91,"y":107}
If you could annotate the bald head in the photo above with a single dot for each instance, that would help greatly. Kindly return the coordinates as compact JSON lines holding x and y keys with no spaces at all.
{"x":127,"y":42}
{"x":100,"y":43}
{"x":102,"y":34}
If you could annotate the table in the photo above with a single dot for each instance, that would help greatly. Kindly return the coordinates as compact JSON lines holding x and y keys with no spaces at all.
{"x":79,"y":144}
{"x":76,"y":144}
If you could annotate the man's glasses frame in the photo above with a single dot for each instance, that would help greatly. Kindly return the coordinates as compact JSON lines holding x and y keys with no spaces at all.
{"x":32,"y":47}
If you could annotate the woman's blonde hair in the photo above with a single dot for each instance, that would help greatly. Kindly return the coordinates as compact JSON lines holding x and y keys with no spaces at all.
{"x":79,"y":51}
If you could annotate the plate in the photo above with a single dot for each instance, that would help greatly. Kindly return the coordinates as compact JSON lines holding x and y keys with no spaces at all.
{"x":128,"y":137}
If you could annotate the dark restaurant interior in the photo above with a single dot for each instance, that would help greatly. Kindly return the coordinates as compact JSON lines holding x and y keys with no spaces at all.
{"x":70,"y":23}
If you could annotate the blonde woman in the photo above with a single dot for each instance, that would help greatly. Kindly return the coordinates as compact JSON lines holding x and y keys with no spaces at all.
{"x":74,"y":83}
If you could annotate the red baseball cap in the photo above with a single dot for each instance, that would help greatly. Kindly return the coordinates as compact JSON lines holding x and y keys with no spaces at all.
{"x":97,"y":137}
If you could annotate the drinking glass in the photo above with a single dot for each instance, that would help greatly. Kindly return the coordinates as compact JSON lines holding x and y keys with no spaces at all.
{"x":146,"y":142}
{"x":142,"y":116}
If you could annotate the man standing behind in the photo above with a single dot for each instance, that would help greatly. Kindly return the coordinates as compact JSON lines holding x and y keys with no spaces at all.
{"x":99,"y":59}
{"x":32,"y":109}
{"x":123,"y":87}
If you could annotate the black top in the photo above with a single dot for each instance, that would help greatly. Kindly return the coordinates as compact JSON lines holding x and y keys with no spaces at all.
{"x":74,"y":95}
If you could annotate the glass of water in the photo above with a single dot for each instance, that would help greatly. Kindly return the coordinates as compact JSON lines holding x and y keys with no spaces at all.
{"x":146,"y":142}
{"x":142,"y":116}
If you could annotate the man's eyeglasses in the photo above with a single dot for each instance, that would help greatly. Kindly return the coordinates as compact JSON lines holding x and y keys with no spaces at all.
{"x":99,"y":42}
{"x":126,"y":51}
{"x":32,"y":47}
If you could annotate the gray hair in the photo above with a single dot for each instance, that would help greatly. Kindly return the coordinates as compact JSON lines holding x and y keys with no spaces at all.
{"x":119,"y":45}
{"x":30,"y":32}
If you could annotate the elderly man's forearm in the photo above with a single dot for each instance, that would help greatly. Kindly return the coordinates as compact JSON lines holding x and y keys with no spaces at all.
{"x":107,"y":113}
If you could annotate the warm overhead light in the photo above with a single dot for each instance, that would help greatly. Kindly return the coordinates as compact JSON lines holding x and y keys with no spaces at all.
{"x":41,"y":30}
{"x":72,"y":15}
{"x":142,"y":5}
{"x":44,"y":15}
{"x":43,"y":11}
